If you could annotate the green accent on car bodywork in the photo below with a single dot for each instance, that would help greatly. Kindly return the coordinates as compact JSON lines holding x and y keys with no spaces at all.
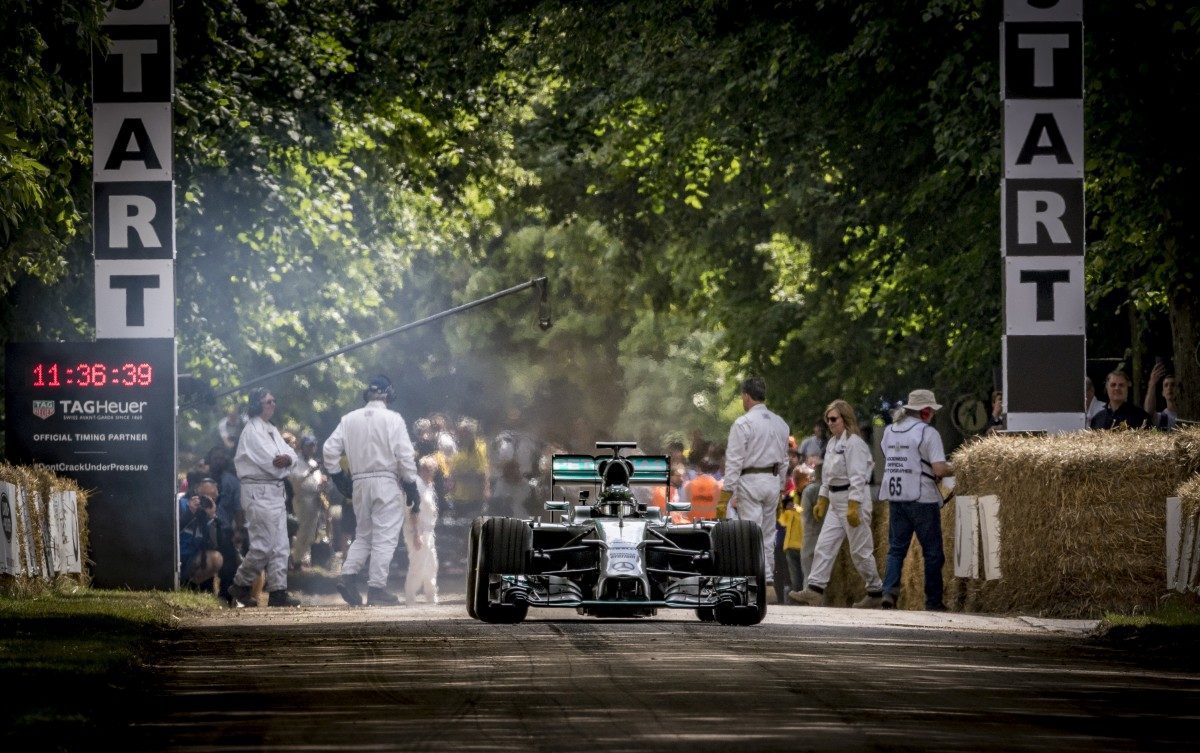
{"x":584,"y":469}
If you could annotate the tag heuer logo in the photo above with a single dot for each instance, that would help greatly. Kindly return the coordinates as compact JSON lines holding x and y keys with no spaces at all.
{"x":43,"y":409}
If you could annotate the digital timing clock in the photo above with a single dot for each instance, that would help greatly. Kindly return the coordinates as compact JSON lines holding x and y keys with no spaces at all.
{"x":51,"y":374}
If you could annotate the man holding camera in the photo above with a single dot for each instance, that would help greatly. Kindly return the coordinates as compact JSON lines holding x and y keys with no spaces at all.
{"x":382,"y":463}
{"x":199,"y":560}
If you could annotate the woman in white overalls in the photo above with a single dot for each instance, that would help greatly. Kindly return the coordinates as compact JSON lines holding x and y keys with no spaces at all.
{"x":845,"y":496}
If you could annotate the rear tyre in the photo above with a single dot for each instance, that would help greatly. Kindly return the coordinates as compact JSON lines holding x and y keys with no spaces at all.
{"x":473,"y":564}
{"x":504,"y":547}
{"x":737,"y":551}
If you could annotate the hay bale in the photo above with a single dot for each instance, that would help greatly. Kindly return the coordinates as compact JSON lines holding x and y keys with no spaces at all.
{"x":1082,"y":518}
{"x":31,"y":532}
{"x":1189,"y":496}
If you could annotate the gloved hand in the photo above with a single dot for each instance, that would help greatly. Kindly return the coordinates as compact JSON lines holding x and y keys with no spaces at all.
{"x":723,"y":503}
{"x":821,"y":508}
{"x":344,"y":484}
{"x":412,"y":497}
{"x":852,"y":514}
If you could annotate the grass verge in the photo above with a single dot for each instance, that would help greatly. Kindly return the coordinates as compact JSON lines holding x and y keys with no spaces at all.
{"x":1177,"y":610}
{"x":69,"y":654}
{"x":1170,"y":633}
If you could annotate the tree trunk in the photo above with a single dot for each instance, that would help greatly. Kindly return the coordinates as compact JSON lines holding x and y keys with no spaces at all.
{"x":1184,"y":336}
{"x":1136,"y":347}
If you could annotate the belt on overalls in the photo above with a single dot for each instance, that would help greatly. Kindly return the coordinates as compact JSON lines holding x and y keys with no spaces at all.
{"x":374,"y":474}
{"x":262,"y":481}
{"x":771,"y":469}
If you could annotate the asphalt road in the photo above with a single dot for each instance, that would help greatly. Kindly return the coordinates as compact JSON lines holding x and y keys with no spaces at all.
{"x":334,"y":678}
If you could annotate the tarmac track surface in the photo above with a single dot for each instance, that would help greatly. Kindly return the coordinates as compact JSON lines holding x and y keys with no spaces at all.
{"x":429,"y":678}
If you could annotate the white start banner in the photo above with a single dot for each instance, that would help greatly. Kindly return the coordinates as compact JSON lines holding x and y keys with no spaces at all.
{"x":1043,"y":215}
{"x":133,"y":202}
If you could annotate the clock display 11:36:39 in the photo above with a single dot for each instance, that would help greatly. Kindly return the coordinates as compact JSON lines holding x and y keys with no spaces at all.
{"x":93,"y":375}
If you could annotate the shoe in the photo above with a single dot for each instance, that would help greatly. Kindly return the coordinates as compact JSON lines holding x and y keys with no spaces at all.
{"x":381,"y":597}
{"x":349,"y":591}
{"x":282,"y":598}
{"x":869,"y":602}
{"x":807,"y":597}
{"x":239,"y":596}
{"x":936,"y":608}
{"x":888,"y":601}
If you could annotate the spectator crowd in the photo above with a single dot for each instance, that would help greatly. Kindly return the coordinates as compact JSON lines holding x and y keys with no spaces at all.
{"x":825,"y":495}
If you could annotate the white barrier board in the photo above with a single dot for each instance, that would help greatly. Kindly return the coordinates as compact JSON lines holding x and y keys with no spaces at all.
{"x":966,"y":537}
{"x":64,"y":533}
{"x":10,"y":551}
{"x":989,"y":528}
{"x":1174,"y":537}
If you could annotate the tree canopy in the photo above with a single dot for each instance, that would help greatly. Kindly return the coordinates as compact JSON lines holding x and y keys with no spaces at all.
{"x":805,"y":190}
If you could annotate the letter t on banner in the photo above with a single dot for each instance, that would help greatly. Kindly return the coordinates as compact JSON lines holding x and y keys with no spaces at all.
{"x":1042,"y":213}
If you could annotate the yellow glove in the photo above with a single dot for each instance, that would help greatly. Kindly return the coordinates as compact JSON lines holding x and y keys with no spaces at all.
{"x":723,"y":503}
{"x":820,"y":508}
{"x":852,"y":516}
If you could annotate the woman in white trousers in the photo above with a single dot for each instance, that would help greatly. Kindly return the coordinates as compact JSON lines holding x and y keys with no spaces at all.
{"x":845,"y":497}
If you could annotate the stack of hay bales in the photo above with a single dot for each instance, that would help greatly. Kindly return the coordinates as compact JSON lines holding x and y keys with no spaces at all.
{"x":1082,"y":523}
{"x":31,"y":529}
{"x":1082,"y":519}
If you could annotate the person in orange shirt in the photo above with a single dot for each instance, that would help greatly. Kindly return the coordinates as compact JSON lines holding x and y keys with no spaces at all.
{"x":703,"y":492}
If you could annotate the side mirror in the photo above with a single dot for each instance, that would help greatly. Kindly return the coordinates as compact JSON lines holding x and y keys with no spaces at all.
{"x":679,"y":507}
{"x":554,"y":505}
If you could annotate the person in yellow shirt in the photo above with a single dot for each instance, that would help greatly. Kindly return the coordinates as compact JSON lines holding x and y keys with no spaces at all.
{"x":792,"y":522}
{"x":469,"y":482}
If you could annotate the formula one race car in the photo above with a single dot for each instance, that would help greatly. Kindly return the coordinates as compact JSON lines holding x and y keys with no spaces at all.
{"x":613,"y":554}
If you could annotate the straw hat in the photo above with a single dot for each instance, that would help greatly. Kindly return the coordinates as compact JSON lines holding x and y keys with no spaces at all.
{"x":918,"y":399}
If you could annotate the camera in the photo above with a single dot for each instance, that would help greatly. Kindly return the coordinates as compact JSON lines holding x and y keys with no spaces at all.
{"x":887,"y":409}
{"x":207,"y":503}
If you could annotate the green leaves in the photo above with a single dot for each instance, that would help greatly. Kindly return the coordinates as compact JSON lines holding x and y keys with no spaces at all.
{"x":808,"y":191}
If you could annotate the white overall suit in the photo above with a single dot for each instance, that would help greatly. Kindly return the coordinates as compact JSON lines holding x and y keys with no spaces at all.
{"x":756,"y":472}
{"x":845,"y":475}
{"x":376,"y":442}
{"x":264,"y":503}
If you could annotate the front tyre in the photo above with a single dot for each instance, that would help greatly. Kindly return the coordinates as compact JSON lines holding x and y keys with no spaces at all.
{"x":473,"y":564}
{"x":737,"y":551}
{"x":504,"y":548}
